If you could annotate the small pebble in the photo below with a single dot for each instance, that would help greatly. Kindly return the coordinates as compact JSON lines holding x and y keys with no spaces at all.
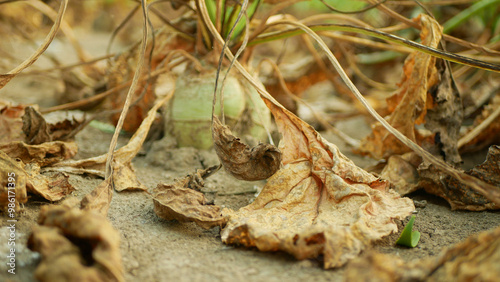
{"x":420,"y":204}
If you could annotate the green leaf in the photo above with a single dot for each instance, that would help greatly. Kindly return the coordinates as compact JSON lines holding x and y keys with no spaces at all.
{"x":408,"y":237}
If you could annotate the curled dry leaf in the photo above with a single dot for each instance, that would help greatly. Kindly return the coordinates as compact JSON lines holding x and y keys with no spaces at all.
{"x":243,"y":162}
{"x":318,"y":203}
{"x":52,"y":188}
{"x":475,"y":259}
{"x":43,"y":154}
{"x":180,"y":202}
{"x":423,"y":91}
{"x":459,"y":195}
{"x":13,"y":184}
{"x":75,"y":245}
{"x":39,"y":131}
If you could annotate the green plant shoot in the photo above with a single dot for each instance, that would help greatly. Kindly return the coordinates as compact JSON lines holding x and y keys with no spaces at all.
{"x":408,"y":237}
{"x":230,"y":15}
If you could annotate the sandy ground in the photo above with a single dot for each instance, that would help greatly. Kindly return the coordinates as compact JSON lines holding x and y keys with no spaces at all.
{"x":157,"y":250}
{"x":154,"y":249}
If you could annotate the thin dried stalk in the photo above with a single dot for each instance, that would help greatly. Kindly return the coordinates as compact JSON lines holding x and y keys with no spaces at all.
{"x":489,"y":191}
{"x":478,"y":129}
{"x":132,"y":89}
{"x":5,"y":78}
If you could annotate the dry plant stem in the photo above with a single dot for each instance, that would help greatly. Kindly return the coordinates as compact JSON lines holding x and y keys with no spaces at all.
{"x":334,"y":17}
{"x":478,"y":129}
{"x":346,"y":138}
{"x":367,"y":42}
{"x":447,"y":37}
{"x":274,"y":10}
{"x":65,"y":28}
{"x":61,"y":68}
{"x":181,"y":33}
{"x":352,"y":64}
{"x":100,"y":96}
{"x":132,"y":89}
{"x":491,"y":192}
{"x":452,"y":57}
{"x":28,"y":62}
{"x":120,"y":26}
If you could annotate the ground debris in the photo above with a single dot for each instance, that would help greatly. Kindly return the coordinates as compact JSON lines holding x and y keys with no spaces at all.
{"x":474,"y":259}
{"x":75,"y":245}
{"x":180,"y":202}
{"x":243,"y":162}
{"x":318,"y":203}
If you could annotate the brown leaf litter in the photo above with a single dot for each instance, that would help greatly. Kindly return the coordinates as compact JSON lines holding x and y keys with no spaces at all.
{"x":409,"y":105}
{"x":75,"y":245}
{"x":179,"y":201}
{"x":475,"y":259}
{"x":241,"y":161}
{"x":318,"y":203}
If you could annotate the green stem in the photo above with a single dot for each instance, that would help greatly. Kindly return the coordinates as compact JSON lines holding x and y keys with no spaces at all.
{"x":459,"y":18}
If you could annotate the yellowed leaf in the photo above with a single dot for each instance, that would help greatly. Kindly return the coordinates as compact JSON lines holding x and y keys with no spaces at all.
{"x":408,"y":105}
{"x":319,"y":203}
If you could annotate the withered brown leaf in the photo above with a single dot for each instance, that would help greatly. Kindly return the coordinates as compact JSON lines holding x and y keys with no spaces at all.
{"x":243,"y":162}
{"x":124,"y":177}
{"x":408,"y":106}
{"x":52,"y":188}
{"x":318,"y":203}
{"x":39,"y":131}
{"x":180,"y":202}
{"x":474,"y":259}
{"x":100,"y":198}
{"x":43,"y":154}
{"x":13,"y":194}
{"x":35,"y":127}
{"x":75,"y":245}
{"x":459,"y":195}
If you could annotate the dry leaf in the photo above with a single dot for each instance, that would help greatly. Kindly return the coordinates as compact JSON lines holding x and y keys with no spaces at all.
{"x":475,"y":259}
{"x":402,"y":173}
{"x":43,"y":154}
{"x":13,"y":184}
{"x":52,"y":188}
{"x":180,"y":202}
{"x":35,"y":127}
{"x":409,"y":105}
{"x":76,"y":245}
{"x":445,"y":115}
{"x":124,"y":177}
{"x":243,"y":162}
{"x":319,"y":203}
{"x":38,"y":131}
{"x":11,"y":124}
{"x":458,"y":195}
{"x":99,"y":199}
